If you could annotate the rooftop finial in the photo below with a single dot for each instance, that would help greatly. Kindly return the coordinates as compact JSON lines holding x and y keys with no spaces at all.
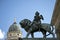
{"x":14,"y":20}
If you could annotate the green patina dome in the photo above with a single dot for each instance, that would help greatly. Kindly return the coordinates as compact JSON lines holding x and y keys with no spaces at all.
{"x":14,"y":28}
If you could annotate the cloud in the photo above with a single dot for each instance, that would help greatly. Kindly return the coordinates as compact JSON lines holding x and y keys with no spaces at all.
{"x":1,"y":34}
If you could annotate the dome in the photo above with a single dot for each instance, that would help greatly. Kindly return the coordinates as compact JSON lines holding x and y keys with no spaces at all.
{"x":14,"y":32}
{"x":14,"y":28}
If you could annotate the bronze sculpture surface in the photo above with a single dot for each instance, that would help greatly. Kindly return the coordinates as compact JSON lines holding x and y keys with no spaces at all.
{"x":31,"y":27}
{"x":37,"y":19}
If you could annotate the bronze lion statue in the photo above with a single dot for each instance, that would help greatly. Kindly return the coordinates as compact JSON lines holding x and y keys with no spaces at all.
{"x":30,"y":29}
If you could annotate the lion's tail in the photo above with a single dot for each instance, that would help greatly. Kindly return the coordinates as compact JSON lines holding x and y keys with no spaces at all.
{"x":51,"y":30}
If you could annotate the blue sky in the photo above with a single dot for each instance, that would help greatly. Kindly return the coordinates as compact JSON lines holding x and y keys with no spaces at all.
{"x":21,"y":9}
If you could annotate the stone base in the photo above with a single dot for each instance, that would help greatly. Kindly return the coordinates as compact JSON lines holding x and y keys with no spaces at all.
{"x":38,"y":39}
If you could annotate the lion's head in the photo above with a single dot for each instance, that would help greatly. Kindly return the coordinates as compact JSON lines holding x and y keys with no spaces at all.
{"x":24,"y":23}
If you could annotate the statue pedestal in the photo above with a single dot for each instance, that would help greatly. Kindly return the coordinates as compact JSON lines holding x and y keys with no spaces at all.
{"x":38,"y":39}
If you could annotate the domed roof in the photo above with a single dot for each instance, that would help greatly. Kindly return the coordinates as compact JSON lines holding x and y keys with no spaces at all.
{"x":14,"y":28}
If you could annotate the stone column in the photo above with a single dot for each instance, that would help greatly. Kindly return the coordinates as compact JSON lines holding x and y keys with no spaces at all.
{"x":56,"y":18}
{"x":57,"y":24}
